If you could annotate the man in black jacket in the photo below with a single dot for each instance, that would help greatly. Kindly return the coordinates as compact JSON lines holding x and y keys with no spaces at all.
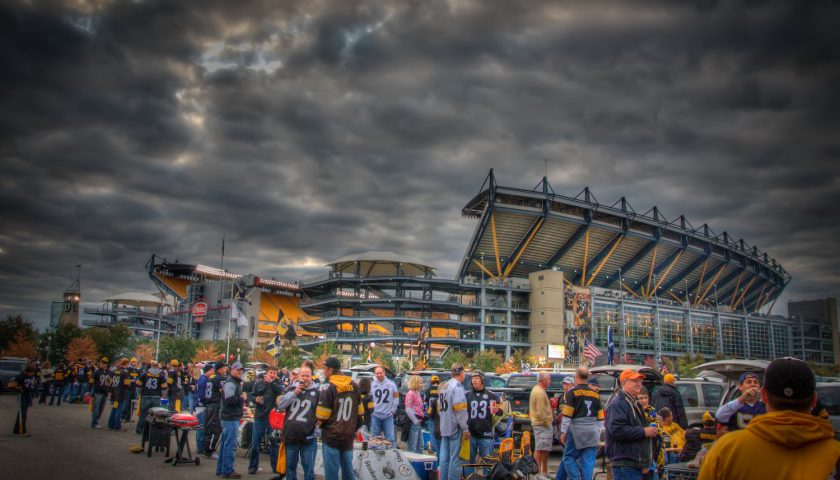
{"x":626,"y":430}
{"x":233,"y":399}
{"x":265,"y":391}
{"x":669,"y":397}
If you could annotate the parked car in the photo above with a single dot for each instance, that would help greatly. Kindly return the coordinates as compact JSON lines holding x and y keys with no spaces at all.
{"x":607,"y":376}
{"x":521,"y":384}
{"x":828,"y":393}
{"x":9,"y":368}
{"x":700,"y":395}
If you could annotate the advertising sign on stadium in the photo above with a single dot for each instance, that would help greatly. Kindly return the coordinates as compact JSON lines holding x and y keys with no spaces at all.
{"x":199,"y":309}
{"x":556,"y":352}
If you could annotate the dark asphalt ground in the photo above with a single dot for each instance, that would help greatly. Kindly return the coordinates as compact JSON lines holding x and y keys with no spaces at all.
{"x":63,"y":446}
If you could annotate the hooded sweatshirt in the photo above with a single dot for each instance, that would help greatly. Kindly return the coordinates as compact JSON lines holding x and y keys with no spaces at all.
{"x":783,"y":444}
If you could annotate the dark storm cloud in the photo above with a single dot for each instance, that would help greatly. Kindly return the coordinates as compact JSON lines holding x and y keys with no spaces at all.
{"x":310,"y":130}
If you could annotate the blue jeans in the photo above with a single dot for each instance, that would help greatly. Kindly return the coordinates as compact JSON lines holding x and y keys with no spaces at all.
{"x":415,"y":439}
{"x":380,"y":426}
{"x":430,"y":426}
{"x":479,"y":447}
{"x":199,"y":434}
{"x":99,"y":400}
{"x":115,"y":418}
{"x":307,"y":454}
{"x":578,"y":463}
{"x":227,"y":448}
{"x":261,"y":428}
{"x":335,"y":458}
{"x":626,"y":473}
{"x":450,"y":460}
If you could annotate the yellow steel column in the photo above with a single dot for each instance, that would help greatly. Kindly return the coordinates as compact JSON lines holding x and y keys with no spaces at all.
{"x":668,"y":270}
{"x":737,"y":285}
{"x":700,"y":283}
{"x":488,"y":272}
{"x":646,"y":290}
{"x":495,"y":245}
{"x":746,"y":289}
{"x":706,"y":292}
{"x":524,"y":246}
{"x":585,"y":259}
{"x":604,"y":261}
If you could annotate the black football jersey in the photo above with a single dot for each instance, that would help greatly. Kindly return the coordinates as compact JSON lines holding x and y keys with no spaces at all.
{"x":582,"y":401}
{"x":152,"y":384}
{"x":299,"y":425}
{"x":480,"y":421}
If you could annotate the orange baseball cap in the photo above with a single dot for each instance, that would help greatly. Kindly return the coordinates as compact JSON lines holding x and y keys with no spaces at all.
{"x":630,"y":375}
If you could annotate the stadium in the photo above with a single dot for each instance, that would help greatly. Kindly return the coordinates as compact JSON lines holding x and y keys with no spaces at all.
{"x":542,"y":272}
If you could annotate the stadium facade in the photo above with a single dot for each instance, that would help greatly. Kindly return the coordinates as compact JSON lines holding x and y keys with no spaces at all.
{"x":542,"y":272}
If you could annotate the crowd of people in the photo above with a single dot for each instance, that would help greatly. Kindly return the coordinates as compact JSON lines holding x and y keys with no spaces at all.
{"x":775,"y":430}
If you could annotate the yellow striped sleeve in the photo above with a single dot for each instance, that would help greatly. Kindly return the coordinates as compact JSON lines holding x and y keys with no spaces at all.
{"x":323,"y":413}
{"x":370,"y":405}
{"x":460,"y":406}
{"x":360,"y":410}
{"x":568,"y":410}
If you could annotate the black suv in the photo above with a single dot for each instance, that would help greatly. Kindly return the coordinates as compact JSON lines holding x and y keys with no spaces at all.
{"x":519,"y":386}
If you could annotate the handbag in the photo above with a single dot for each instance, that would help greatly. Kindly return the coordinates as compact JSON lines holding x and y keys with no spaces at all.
{"x":276,"y":419}
{"x":464,"y":454}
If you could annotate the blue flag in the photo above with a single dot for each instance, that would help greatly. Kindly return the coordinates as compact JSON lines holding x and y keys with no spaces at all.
{"x":610,"y":344}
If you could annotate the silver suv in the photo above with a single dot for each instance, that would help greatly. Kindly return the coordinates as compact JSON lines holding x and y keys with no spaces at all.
{"x":700,"y":395}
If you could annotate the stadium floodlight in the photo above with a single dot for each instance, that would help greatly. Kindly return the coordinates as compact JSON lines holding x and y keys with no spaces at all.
{"x":216,"y":272}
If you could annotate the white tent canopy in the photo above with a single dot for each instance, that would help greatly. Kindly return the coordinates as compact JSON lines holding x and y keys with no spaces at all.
{"x":381,"y":264}
{"x":136,"y":299}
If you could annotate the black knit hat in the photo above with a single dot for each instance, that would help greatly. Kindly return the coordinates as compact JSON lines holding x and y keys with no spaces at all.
{"x":790,"y":379}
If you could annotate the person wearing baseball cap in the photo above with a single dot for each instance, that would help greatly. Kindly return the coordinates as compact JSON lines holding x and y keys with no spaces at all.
{"x":736,"y":415}
{"x":202,"y":392}
{"x":627,"y":432}
{"x":433,"y":414}
{"x":695,"y":437}
{"x":787,"y":441}
{"x":339,"y":412}
{"x":668,"y":397}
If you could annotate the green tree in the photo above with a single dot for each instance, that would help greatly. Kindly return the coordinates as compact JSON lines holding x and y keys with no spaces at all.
{"x":487,"y":360}
{"x":326,"y":349}
{"x":243,"y":345}
{"x":291,"y":357}
{"x":59,"y":339}
{"x":179,"y":348}
{"x":11,"y":326}
{"x":686,"y":364}
{"x":454,"y":356}
{"x":111,"y":341}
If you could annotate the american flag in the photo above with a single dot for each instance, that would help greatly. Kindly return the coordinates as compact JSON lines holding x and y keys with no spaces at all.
{"x":590,"y":351}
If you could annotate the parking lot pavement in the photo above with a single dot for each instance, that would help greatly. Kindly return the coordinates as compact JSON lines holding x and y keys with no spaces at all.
{"x":63,"y":446}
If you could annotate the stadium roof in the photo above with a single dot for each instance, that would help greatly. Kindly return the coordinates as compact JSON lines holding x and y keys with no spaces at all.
{"x":520,"y":231}
{"x":381,"y":263}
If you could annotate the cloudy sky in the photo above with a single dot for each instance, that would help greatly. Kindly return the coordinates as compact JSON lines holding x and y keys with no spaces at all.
{"x":313,"y":129}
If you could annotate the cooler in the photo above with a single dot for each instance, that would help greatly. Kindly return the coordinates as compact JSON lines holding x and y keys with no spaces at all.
{"x":422,"y":464}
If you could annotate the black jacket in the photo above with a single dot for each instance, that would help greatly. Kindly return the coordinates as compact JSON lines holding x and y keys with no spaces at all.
{"x":668,"y":396}
{"x":625,"y":432}
{"x":232,"y":399}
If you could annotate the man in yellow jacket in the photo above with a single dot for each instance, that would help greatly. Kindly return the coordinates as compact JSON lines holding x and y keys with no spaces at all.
{"x":787,"y":442}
